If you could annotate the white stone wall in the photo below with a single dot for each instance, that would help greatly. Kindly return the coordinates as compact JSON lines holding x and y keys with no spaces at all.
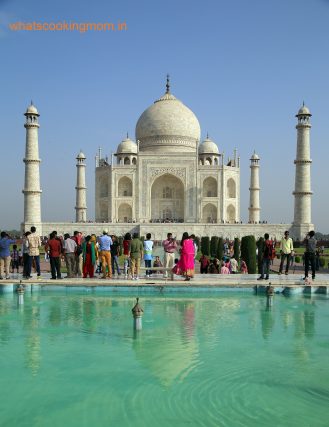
{"x":159,"y":231}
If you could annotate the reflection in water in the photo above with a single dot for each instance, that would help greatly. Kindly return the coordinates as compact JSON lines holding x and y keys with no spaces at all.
{"x":267,"y":319}
{"x":170,"y":349}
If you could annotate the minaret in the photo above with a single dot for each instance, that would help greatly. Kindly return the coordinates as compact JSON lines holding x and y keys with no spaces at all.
{"x":32,"y":191}
{"x":303,"y":193}
{"x":254,"y":208}
{"x":81,"y":201}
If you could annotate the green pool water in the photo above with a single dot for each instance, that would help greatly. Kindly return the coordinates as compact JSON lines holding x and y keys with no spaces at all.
{"x":223,"y":360}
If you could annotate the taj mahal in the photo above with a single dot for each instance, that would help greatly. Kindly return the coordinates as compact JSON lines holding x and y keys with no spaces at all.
{"x":169,"y":180}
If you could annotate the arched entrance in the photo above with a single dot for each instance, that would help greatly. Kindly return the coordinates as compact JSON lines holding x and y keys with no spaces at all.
{"x":167,"y":199}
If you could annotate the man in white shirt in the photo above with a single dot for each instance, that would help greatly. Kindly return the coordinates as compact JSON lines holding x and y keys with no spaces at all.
{"x":286,"y":248}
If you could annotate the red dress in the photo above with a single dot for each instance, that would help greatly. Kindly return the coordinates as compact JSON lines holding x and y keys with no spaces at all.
{"x":186,"y":260}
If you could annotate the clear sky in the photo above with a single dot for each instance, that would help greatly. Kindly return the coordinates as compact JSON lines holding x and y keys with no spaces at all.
{"x":243,"y":67}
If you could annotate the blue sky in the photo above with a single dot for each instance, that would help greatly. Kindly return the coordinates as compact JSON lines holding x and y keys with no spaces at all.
{"x":244,"y":68}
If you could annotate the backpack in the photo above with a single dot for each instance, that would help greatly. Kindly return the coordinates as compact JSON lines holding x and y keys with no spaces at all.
{"x":269,"y":251}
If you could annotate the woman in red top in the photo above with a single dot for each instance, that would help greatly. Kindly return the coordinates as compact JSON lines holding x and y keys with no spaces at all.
{"x":126,"y":252}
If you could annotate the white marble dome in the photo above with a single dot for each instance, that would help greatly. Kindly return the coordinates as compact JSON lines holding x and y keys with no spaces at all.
{"x":303,"y":111}
{"x":81,"y":156}
{"x":208,"y":147}
{"x":31,"y":109}
{"x":127,"y":146}
{"x":168,"y":125}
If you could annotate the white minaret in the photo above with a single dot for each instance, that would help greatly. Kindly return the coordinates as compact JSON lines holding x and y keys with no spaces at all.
{"x":81,"y":200}
{"x":32,"y":191}
{"x":254,"y":207}
{"x":303,"y":193}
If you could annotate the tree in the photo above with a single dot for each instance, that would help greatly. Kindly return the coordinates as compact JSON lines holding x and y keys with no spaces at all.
{"x":213,"y":245}
{"x":205,"y":245}
{"x":248,"y":253}
{"x":260,"y":246}
{"x":236,"y":248}
{"x":220,"y":249}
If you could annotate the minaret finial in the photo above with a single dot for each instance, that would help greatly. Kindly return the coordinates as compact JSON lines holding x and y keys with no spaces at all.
{"x":207,"y":135}
{"x":168,"y":84}
{"x":31,"y":102}
{"x":127,"y":135}
{"x":303,"y":103}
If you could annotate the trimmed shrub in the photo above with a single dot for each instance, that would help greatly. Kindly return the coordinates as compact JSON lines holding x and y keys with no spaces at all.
{"x":120,"y":240}
{"x":220,"y":249}
{"x":236,"y":248}
{"x":248,"y":253}
{"x":297,"y":259}
{"x":322,"y":262}
{"x":260,"y":247}
{"x":213,"y":246}
{"x":205,"y":245}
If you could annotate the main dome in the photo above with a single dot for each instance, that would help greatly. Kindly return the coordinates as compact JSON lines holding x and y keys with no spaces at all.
{"x":168,"y":126}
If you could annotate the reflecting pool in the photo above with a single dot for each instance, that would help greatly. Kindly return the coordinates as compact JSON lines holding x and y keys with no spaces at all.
{"x":221,"y":360}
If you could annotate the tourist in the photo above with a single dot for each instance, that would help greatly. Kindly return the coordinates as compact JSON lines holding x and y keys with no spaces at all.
{"x":214,"y":266}
{"x":105,"y":243}
{"x":170,"y":247}
{"x":286,"y":249}
{"x":25,"y":252}
{"x":136,"y":254}
{"x":192,"y":236}
{"x":5,"y":242}
{"x":70,"y":247}
{"x":126,"y":253}
{"x":227,"y":262}
{"x":224,"y":269}
{"x":310,"y":248}
{"x":244,"y":267}
{"x":77,"y":237}
{"x":266,"y":257}
{"x":186,"y":260}
{"x":157,"y":263}
{"x":89,"y":257}
{"x":94,"y":240}
{"x":115,"y":253}
{"x":34,"y":243}
{"x":204,"y":264}
{"x":234,"y":265}
{"x":54,"y":248}
{"x":148,"y":247}
{"x":14,"y":255}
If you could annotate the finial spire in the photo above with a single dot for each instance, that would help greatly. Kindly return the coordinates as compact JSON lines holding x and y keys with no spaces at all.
{"x":168,"y":84}
{"x":303,"y":103}
{"x":207,"y":135}
{"x":127,"y":135}
{"x":31,"y":102}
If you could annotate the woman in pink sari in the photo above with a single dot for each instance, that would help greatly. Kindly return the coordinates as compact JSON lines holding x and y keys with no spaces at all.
{"x":186,"y":260}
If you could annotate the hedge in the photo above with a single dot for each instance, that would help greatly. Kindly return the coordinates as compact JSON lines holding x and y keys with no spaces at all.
{"x":260,"y":246}
{"x":236,"y":248}
{"x":248,"y":253}
{"x":220,"y":248}
{"x":213,"y":245}
{"x":205,"y":245}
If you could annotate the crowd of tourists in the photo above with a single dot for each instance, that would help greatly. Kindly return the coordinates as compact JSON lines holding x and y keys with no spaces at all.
{"x":91,"y":255}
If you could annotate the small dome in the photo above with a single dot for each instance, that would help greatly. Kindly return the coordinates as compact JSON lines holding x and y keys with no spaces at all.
{"x":208,"y":147}
{"x":81,"y":156}
{"x":127,"y":146}
{"x":304,"y":111}
{"x":31,"y":109}
{"x":254,"y":156}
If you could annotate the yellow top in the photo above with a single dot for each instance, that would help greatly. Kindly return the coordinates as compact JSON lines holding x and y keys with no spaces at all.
{"x":286,"y":245}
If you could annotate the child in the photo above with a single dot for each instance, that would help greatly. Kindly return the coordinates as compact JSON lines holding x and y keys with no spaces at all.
{"x":14,"y":259}
{"x":157,"y":263}
{"x":244,"y":268}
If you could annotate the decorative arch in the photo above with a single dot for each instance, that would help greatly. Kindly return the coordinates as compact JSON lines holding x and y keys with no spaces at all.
{"x":167,"y":198}
{"x":125,"y":187}
{"x":126,"y":161}
{"x":231,"y":188}
{"x":124,"y":212}
{"x":230,"y":213}
{"x":210,"y":187}
{"x":134,"y":161}
{"x":209,"y":213}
